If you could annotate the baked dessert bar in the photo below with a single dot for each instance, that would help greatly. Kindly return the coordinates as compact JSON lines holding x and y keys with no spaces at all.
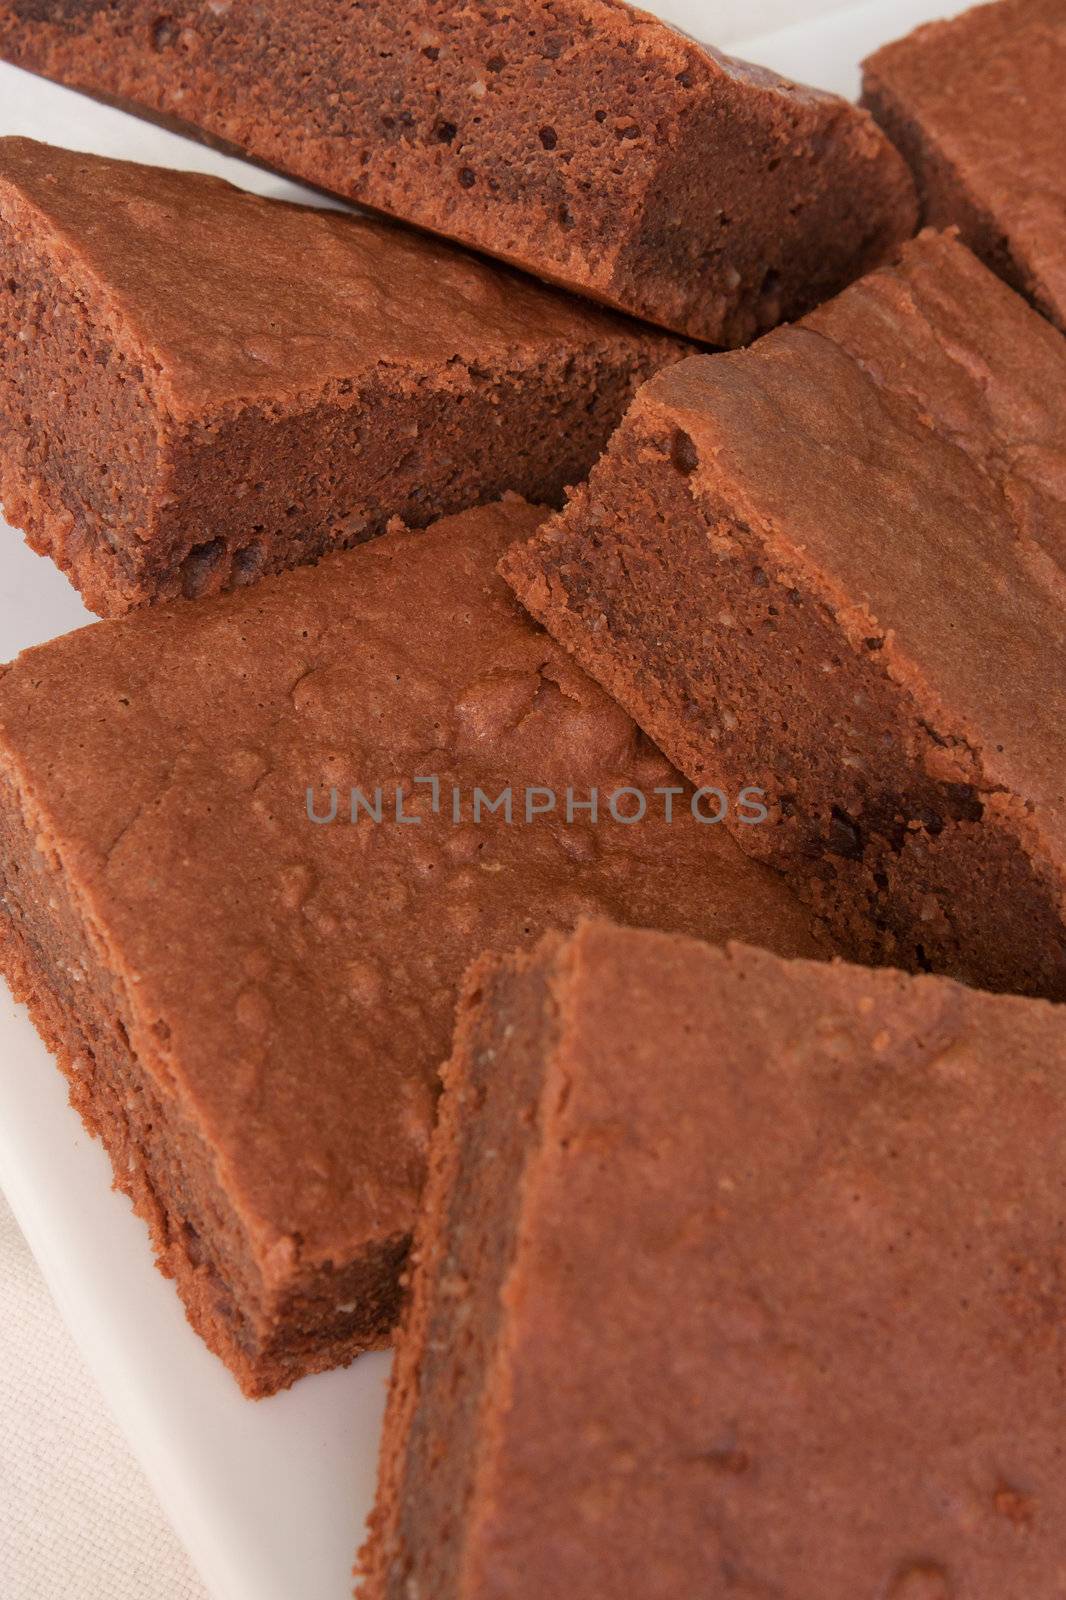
{"x":735,"y":1276}
{"x":582,"y":140}
{"x":251,"y":992}
{"x":834,"y":567}
{"x":975,"y":105}
{"x":199,"y":386}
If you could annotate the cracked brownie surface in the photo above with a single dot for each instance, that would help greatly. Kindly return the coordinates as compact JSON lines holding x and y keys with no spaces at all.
{"x":837,"y":565}
{"x":252,"y":1006}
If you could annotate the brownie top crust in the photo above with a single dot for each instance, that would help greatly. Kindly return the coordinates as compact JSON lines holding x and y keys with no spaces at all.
{"x":976,"y":103}
{"x":785,"y":1299}
{"x":226,"y":297}
{"x":289,"y":984}
{"x":901,"y":451}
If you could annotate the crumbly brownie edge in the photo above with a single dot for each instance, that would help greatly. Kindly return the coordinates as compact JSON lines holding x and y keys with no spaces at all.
{"x":332,"y":471}
{"x":908,"y":882}
{"x":487,"y":1133}
{"x":797,"y":212}
{"x":267,"y":1337}
{"x":80,"y":424}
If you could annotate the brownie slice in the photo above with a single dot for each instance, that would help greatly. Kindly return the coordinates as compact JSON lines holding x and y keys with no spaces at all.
{"x":834,"y":567}
{"x":251,"y":1000}
{"x":199,"y":386}
{"x":582,"y":140}
{"x":735,"y":1276}
{"x":975,"y":105}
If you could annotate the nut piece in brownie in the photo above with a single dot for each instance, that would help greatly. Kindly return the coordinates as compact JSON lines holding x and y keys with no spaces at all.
{"x":252,"y":1005}
{"x":834,"y":567}
{"x":199,"y":386}
{"x":582,"y":140}
{"x":976,"y":106}
{"x":735,"y":1276}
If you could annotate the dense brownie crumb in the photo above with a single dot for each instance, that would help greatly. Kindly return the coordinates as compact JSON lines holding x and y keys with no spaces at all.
{"x":252,"y":1006}
{"x":488,"y":1133}
{"x":835,"y":567}
{"x":582,"y":140}
{"x":185,"y":405}
{"x":975,"y":105}
{"x":708,"y":1238}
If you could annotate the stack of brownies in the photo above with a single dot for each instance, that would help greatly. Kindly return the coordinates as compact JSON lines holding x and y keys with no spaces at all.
{"x":467,"y":617}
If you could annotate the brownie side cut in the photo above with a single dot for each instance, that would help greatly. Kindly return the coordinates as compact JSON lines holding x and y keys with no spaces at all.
{"x":199,"y":386}
{"x":735,"y":1276}
{"x":975,"y":105}
{"x":583,"y":140}
{"x":833,"y":567}
{"x":247,"y":969}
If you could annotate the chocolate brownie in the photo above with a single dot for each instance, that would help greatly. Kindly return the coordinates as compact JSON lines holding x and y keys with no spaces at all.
{"x":834,"y":567}
{"x":199,"y":386}
{"x":736,"y":1276}
{"x":252,"y":1000}
{"x":975,"y":105}
{"x":582,"y":140}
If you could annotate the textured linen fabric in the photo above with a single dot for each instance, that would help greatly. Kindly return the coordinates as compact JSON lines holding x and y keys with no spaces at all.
{"x":78,"y":1520}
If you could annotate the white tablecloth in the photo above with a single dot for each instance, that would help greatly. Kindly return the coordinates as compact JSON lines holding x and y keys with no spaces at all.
{"x":78,"y":1521}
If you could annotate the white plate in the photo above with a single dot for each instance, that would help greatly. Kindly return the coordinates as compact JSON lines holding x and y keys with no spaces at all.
{"x":269,"y":1497}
